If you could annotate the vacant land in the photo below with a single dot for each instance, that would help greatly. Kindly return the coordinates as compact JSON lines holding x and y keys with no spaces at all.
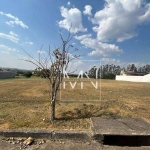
{"x":24,"y":103}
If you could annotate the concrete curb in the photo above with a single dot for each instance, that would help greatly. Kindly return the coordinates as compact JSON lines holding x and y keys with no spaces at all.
{"x":94,"y":136}
{"x":48,"y":134}
{"x":27,"y":133}
{"x":71,"y":135}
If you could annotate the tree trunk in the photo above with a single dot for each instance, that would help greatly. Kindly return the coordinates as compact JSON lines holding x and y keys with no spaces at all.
{"x":52,"y":115}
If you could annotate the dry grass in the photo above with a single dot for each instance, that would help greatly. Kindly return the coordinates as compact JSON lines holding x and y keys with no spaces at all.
{"x":24,"y":103}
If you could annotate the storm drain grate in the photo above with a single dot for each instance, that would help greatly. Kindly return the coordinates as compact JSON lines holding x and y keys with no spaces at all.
{"x":122,"y":140}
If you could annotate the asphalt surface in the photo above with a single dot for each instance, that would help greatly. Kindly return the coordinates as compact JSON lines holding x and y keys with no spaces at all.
{"x":6,"y":144}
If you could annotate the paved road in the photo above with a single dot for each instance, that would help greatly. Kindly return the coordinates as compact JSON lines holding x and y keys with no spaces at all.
{"x":64,"y":145}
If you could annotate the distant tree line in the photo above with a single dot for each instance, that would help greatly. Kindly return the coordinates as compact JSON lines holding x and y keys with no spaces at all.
{"x":110,"y":71}
{"x":26,"y":73}
{"x":104,"y":72}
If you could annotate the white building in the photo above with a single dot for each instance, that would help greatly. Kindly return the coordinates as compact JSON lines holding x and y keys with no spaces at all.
{"x":132,"y":78}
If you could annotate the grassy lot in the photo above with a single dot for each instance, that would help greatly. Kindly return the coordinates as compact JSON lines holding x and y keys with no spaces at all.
{"x":24,"y":103}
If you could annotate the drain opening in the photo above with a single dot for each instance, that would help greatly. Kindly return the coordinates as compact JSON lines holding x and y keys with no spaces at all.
{"x":119,"y":140}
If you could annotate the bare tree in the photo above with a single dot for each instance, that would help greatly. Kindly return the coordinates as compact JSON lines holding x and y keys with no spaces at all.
{"x":54,"y":65}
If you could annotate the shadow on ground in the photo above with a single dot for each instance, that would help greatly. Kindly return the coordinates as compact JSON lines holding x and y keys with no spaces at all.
{"x":87,"y":111}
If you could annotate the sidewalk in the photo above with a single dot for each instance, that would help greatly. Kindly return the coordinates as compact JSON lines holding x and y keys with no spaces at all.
{"x":113,"y":132}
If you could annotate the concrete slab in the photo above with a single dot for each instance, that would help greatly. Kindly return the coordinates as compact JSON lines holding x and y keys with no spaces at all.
{"x":128,"y":126}
{"x":48,"y":134}
{"x":27,"y":133}
{"x":71,"y":135}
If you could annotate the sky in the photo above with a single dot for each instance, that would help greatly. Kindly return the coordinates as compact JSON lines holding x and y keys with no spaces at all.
{"x":110,"y":31}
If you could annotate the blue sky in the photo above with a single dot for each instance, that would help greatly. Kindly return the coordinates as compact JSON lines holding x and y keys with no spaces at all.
{"x":112,"y":31}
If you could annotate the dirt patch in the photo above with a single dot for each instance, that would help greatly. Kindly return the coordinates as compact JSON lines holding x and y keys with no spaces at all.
{"x":4,"y":126}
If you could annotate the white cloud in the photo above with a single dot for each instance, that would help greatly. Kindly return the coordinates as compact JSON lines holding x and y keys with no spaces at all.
{"x":72,"y":17}
{"x":119,"y":19}
{"x":9,"y":37}
{"x":68,"y":3}
{"x":15,"y":62}
{"x":99,"y":48}
{"x":15,"y":20}
{"x":13,"y":33}
{"x":78,"y":63}
{"x":110,"y":61}
{"x":75,"y":66}
{"x":82,"y":37}
{"x":1,"y":13}
{"x":11,"y":16}
{"x":75,"y":57}
{"x":41,"y":52}
{"x":6,"y":50}
{"x":31,"y":43}
{"x":8,"y":23}
{"x":146,"y":16}
{"x":87,"y":10}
